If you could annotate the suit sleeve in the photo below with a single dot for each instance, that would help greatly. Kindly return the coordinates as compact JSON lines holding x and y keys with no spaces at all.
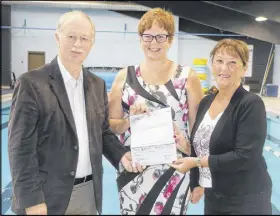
{"x":250,"y":138}
{"x":112,"y":148}
{"x":22,"y":142}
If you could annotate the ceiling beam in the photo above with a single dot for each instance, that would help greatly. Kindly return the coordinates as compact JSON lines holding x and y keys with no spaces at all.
{"x":192,"y":27}
{"x":221,"y":18}
{"x":268,"y":9}
{"x":134,"y":14}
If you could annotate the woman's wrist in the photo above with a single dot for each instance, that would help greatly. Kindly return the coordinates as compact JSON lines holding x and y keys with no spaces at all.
{"x":204,"y":161}
{"x":127,"y":122}
{"x":125,"y":125}
{"x":193,"y":162}
{"x":200,"y":162}
{"x":196,"y":162}
{"x":119,"y":126}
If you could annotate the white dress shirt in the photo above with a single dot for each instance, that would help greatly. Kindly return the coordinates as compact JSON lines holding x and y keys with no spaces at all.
{"x":75,"y":92}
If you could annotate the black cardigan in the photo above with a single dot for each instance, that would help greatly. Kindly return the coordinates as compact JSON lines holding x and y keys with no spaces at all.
{"x":236,"y":145}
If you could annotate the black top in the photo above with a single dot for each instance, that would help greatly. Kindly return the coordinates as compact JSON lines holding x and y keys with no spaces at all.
{"x":236,"y":145}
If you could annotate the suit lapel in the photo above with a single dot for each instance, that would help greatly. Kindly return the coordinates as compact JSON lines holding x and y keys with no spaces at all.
{"x":88,"y":97}
{"x":91,"y":102}
{"x":58,"y":88}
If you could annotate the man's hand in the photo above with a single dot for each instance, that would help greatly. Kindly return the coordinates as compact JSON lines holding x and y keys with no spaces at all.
{"x":127,"y":163}
{"x":40,"y":209}
{"x":196,"y":195}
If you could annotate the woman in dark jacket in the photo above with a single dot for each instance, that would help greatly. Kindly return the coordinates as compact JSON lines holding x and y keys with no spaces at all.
{"x":228,"y":139}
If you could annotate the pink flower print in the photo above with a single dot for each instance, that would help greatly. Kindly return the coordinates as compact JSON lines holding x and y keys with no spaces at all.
{"x":158,"y":208}
{"x":168,"y":191}
{"x":183,"y":106}
{"x":138,"y":74}
{"x":141,"y":199}
{"x":174,"y":180}
{"x":122,"y":138}
{"x":131,"y":100}
{"x":171,"y":186}
{"x":179,"y":83}
{"x":185,"y":117}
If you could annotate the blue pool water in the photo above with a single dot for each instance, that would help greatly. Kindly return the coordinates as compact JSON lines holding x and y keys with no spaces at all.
{"x":110,"y":199}
{"x":108,"y":77}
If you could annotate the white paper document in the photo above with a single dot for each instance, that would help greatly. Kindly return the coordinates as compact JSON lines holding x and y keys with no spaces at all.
{"x":152,"y":138}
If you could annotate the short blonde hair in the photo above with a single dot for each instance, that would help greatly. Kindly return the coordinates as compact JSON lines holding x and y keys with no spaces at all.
{"x":66,"y":15}
{"x":233,"y":47}
{"x":159,"y":16}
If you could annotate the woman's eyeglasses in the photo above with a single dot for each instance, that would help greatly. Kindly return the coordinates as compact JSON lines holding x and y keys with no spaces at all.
{"x":160,"y":38}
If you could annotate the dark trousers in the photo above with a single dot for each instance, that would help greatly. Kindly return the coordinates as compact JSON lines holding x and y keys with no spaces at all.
{"x":241,"y":204}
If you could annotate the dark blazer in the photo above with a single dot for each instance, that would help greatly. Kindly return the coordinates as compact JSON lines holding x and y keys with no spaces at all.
{"x":236,"y":145}
{"x":43,"y":143}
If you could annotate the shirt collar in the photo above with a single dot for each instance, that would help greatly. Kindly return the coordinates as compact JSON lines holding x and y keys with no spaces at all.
{"x":65,"y":73}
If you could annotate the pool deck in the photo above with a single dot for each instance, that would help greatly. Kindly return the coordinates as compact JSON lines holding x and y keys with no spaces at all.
{"x":272,"y":105}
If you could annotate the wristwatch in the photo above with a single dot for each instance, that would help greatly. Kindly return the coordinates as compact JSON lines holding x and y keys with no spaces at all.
{"x":198,"y":162}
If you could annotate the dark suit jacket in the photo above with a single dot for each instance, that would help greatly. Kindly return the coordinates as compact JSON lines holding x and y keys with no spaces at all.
{"x":43,"y":144}
{"x":236,"y":145}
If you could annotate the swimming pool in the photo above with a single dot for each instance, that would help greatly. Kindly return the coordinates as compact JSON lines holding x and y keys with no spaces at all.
{"x":271,"y":153}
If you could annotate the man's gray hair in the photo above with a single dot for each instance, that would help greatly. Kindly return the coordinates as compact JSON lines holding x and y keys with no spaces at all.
{"x":66,"y":15}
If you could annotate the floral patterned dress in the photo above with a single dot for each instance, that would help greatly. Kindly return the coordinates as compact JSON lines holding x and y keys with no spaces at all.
{"x":159,"y":189}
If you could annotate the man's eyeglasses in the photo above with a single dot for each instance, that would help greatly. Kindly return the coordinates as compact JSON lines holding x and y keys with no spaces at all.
{"x":160,"y":38}
{"x":72,"y":38}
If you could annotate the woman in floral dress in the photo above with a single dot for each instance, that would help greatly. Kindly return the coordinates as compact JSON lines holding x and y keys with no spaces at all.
{"x":156,"y":83}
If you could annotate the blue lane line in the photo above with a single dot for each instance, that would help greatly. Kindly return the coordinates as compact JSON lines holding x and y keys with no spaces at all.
{"x":6,"y":198}
{"x":4,"y":125}
{"x":275,"y":211}
{"x":5,"y":109}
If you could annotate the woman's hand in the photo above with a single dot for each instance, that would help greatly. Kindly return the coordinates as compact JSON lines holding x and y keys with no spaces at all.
{"x":196,"y":194}
{"x":40,"y":209}
{"x":138,"y":108}
{"x":184,"y":164}
{"x":181,"y":142}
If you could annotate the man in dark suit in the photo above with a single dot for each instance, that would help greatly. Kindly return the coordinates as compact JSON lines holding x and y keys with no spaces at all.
{"x":58,"y":130}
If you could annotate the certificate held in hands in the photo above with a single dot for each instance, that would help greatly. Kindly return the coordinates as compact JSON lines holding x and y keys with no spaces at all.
{"x":152,"y":138}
